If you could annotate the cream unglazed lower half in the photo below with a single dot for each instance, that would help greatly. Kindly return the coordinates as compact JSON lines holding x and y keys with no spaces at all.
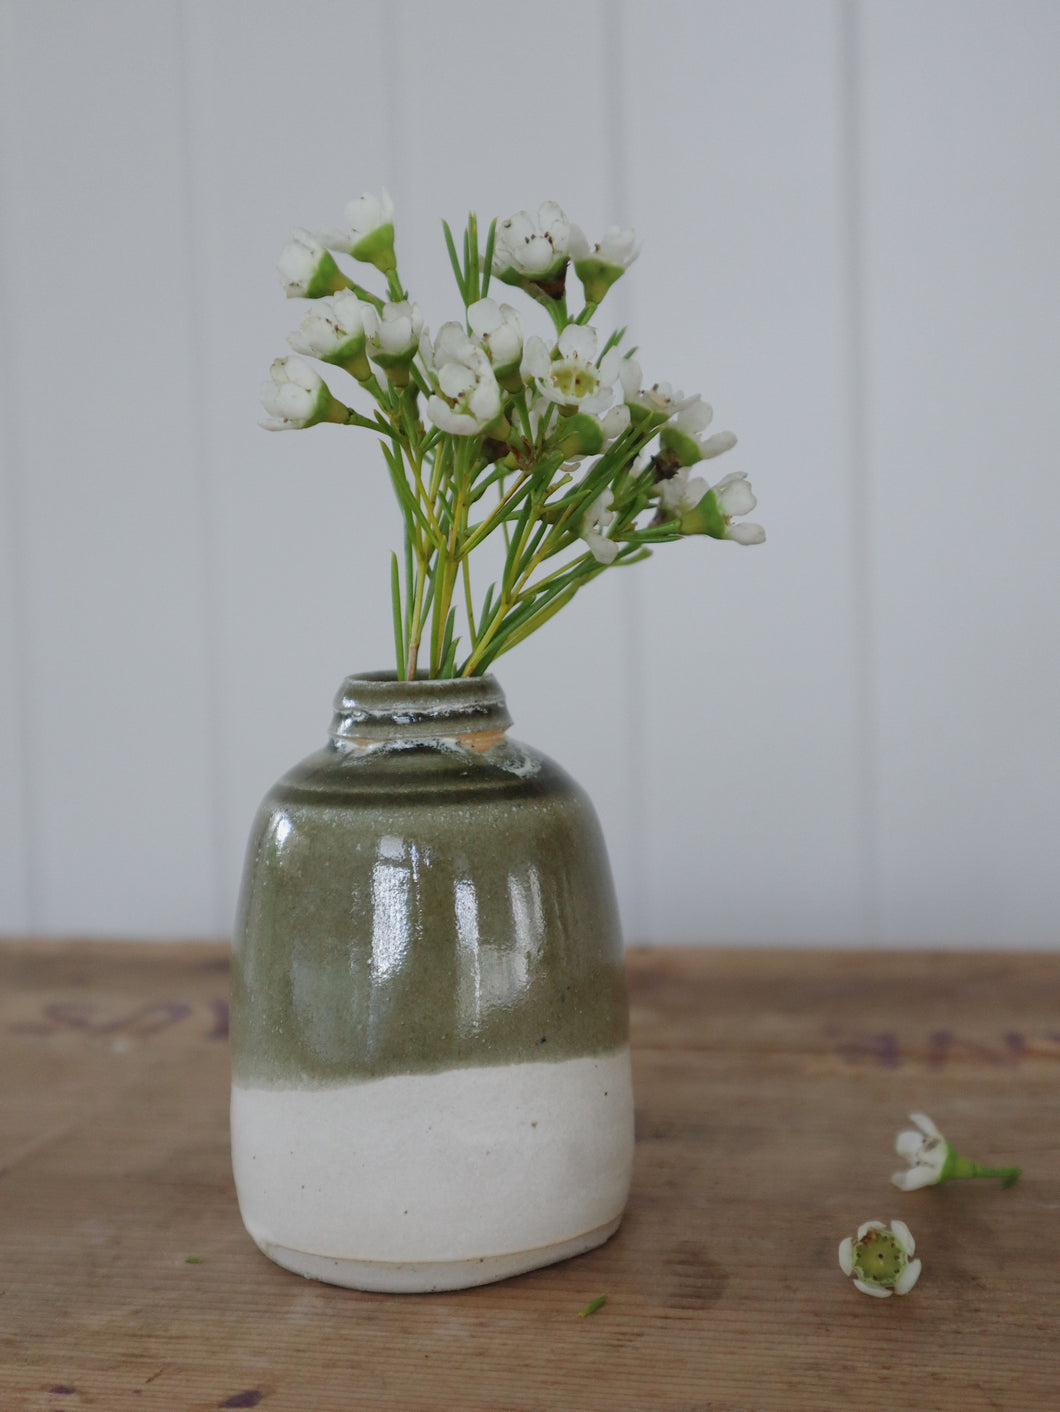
{"x":436,"y":1180}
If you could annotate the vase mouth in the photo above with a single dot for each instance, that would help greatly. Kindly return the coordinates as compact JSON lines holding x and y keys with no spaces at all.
{"x":375,"y":706}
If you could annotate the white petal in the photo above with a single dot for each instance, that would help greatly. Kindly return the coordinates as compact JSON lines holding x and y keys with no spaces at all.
{"x":616,"y":421}
{"x":630,"y":376}
{"x":846,"y":1255}
{"x":734,"y":495}
{"x":536,"y":358}
{"x":484,"y":316}
{"x":908,"y":1143}
{"x":451,"y":344}
{"x":555,"y":225}
{"x":694,"y":493}
{"x":747,"y":533}
{"x":864,"y":1229}
{"x":696,"y":417}
{"x":717,"y":444}
{"x":877,"y":1291}
{"x":454,"y":379}
{"x":904,"y":1236}
{"x":913,"y":1178}
{"x":578,"y":341}
{"x":610,"y":365}
{"x":604,"y":551}
{"x":443,"y":416}
{"x":925,"y":1124}
{"x":908,"y":1278}
{"x":577,"y":243}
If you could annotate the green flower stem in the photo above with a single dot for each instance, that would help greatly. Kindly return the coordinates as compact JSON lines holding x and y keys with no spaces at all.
{"x":957,"y":1167}
{"x":469,"y":602}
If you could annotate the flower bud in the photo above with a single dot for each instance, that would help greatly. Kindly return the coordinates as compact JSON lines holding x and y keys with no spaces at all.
{"x":393,"y":337}
{"x":295,"y":397}
{"x":307,"y":270}
{"x":333,"y":331}
{"x":371,"y":234}
{"x":598,"y":266}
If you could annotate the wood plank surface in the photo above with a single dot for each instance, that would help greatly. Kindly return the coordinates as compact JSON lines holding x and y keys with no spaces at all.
{"x":769,"y":1086}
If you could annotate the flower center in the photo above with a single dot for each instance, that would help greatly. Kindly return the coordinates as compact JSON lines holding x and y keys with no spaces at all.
{"x":574,"y":379}
{"x":878,"y":1258}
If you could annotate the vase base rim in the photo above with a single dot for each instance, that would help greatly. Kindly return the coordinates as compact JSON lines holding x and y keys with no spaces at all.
{"x":432,"y":1276}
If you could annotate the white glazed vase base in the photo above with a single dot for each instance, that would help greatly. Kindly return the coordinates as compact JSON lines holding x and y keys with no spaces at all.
{"x":431,"y":1276}
{"x":417,"y":1182}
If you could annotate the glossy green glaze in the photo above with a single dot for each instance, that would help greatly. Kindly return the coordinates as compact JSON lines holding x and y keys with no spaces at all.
{"x":423,"y":894}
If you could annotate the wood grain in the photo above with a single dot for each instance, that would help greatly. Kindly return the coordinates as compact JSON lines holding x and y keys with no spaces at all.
{"x":769,"y":1085}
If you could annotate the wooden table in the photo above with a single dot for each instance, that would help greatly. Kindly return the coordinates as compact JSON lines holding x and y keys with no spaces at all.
{"x":770,"y":1086}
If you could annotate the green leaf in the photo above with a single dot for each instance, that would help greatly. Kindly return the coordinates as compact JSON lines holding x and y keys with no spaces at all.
{"x":453,"y":260}
{"x":399,"y":634}
{"x":592,"y":1307}
{"x":487,"y":259}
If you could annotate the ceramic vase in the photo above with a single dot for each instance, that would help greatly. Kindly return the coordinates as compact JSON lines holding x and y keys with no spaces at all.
{"x":431,"y":1077}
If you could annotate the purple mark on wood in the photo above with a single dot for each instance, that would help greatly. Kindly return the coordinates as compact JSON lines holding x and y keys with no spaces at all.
{"x":250,"y":1398}
{"x":148,"y":1019}
{"x":878,"y":1049}
{"x":64,"y":1388}
{"x":943,"y":1043}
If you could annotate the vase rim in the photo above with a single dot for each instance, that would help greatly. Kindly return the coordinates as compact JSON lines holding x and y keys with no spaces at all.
{"x":371,"y":706}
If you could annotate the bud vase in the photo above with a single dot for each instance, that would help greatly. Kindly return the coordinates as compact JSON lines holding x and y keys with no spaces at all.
{"x":430,"y":1061}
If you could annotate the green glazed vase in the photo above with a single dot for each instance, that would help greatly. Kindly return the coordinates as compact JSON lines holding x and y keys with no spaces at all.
{"x":430,"y":1061}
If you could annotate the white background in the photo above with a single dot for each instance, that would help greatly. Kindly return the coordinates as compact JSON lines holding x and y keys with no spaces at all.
{"x":850,"y":216}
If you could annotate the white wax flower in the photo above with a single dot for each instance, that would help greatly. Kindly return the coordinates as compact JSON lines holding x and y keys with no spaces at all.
{"x":333,"y":331}
{"x":296,"y":397}
{"x":498,"y":329}
{"x":682,"y":437}
{"x":532,"y":249}
{"x":932,"y":1160}
{"x":659,"y":400}
{"x":925,"y":1150}
{"x":618,"y":247}
{"x":880,"y":1259}
{"x":393,"y":332}
{"x":734,"y":496}
{"x":598,"y":266}
{"x":573,"y":379}
{"x":371,"y":230}
{"x":717,"y":508}
{"x":596,"y":519}
{"x":467,"y":397}
{"x":680,"y":493}
{"x":306,"y":269}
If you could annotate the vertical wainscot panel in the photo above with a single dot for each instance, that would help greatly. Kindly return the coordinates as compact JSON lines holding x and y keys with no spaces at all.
{"x":112,"y":679}
{"x":751,"y":730}
{"x":962,"y":216}
{"x":290,"y":116}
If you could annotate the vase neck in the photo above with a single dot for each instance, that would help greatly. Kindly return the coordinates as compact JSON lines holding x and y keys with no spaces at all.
{"x":374,"y":707}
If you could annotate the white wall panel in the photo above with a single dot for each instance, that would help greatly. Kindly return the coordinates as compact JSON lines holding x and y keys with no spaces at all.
{"x":962,"y":215}
{"x":15,"y":909}
{"x":734,"y":125}
{"x":120,"y":803}
{"x":283,"y":133}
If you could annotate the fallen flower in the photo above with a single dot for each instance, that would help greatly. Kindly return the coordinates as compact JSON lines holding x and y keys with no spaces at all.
{"x":879,"y":1259}
{"x":933,"y":1161}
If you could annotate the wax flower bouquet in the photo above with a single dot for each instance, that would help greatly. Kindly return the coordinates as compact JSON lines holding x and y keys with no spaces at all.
{"x":556,"y":446}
